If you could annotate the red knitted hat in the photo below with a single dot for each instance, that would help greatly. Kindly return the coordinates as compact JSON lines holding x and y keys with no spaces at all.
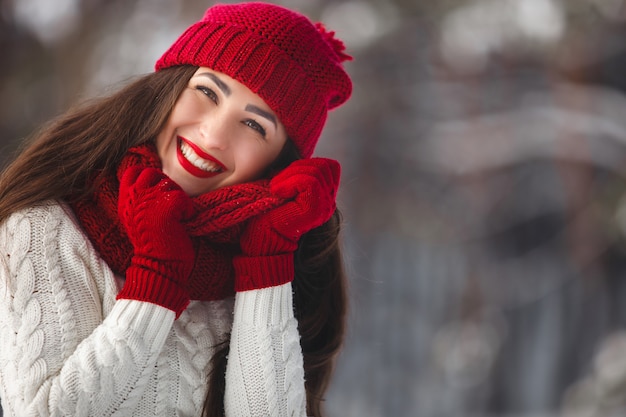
{"x":295,"y":66}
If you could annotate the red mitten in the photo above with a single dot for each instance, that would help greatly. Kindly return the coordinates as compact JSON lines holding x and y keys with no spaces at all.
{"x":269,"y":240}
{"x":152,"y":208}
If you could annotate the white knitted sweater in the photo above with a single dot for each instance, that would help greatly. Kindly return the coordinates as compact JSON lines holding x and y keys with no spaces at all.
{"x":68,"y":348}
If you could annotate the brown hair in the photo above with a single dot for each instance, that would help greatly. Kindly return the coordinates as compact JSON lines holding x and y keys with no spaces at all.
{"x":65,"y":155}
{"x":62,"y":159}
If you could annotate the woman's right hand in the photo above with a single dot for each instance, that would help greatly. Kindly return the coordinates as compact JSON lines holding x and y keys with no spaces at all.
{"x":152,"y":209}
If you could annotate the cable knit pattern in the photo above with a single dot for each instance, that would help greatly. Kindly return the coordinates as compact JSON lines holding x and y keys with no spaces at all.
{"x":67,"y":322}
{"x":265,"y":332}
{"x":67,"y":347}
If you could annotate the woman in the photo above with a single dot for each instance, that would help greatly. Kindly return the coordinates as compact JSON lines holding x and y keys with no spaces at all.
{"x":172,"y":249}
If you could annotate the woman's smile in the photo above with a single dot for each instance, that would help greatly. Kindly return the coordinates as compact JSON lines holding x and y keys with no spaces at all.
{"x":196,"y":161}
{"x":219,"y":133}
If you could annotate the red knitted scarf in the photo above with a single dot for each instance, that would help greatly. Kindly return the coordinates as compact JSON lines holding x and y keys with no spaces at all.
{"x":215,"y":229}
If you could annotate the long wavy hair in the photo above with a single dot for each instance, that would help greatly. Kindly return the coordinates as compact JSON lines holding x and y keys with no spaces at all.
{"x":61,"y":160}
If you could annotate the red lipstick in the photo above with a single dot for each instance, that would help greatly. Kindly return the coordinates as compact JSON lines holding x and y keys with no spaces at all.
{"x":192,"y":169}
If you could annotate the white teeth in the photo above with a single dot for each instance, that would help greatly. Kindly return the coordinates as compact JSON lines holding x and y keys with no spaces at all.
{"x":196,"y":161}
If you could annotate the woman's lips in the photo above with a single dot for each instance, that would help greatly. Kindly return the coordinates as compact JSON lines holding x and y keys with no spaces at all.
{"x":195,"y":161}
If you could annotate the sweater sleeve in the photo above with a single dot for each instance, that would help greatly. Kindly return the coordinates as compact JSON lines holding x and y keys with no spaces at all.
{"x":58,"y":354}
{"x":265,"y":372}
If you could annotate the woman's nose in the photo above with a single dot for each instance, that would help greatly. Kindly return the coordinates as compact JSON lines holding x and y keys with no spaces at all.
{"x":214,"y":133}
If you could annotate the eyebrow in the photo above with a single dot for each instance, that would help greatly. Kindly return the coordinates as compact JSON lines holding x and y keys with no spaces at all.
{"x":257,"y":110}
{"x":220,"y":84}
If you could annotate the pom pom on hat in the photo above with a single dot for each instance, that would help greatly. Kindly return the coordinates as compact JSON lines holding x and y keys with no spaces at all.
{"x":295,"y":66}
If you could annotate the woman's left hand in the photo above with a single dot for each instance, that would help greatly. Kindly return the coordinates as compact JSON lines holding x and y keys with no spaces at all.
{"x":269,"y":240}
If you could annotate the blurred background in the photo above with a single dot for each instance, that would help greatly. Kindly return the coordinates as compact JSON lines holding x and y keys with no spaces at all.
{"x":484,"y":186}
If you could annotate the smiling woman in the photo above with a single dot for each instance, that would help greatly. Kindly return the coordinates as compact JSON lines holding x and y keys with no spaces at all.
{"x":219,"y":133}
{"x":179,"y":254}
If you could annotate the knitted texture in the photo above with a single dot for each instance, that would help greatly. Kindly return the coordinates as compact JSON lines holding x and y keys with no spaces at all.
{"x":310,"y":187}
{"x":215,"y":228}
{"x":152,"y":209}
{"x":263,"y":327}
{"x":67,"y":347}
{"x":295,"y":66}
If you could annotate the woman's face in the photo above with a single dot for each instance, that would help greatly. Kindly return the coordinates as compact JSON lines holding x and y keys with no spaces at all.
{"x":219,"y":133}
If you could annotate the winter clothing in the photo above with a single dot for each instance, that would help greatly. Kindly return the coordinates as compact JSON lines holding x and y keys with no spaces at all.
{"x":115,"y":303}
{"x":295,"y":66}
{"x":215,"y":227}
{"x":153,"y":208}
{"x":268,"y":243}
{"x":67,"y":347}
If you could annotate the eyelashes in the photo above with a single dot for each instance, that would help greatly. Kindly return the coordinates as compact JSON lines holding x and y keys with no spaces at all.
{"x":208,"y":92}
{"x":251,"y":123}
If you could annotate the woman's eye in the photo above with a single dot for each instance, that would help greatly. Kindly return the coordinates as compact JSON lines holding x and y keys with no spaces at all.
{"x":256,"y":126}
{"x":208,"y":92}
